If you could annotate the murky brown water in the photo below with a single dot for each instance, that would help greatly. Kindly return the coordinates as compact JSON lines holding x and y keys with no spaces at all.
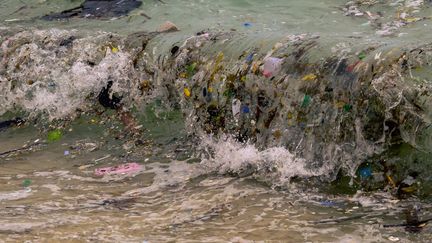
{"x":47,"y":196}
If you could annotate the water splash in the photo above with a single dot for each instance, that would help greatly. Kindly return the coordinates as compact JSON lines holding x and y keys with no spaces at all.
{"x":226,"y":155}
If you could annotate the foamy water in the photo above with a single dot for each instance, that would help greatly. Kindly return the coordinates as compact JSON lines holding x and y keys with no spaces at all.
{"x":239,"y":164}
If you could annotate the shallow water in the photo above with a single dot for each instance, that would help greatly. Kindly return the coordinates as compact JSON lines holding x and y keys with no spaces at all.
{"x":191,"y":188}
{"x":169,"y":200}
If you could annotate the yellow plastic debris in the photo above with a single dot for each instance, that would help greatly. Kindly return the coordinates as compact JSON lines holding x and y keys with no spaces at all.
{"x":391,"y":181}
{"x":114,"y":49}
{"x":255,"y":67}
{"x":412,"y":20}
{"x":290,"y":115}
{"x":186,"y":92}
{"x":309,"y":77}
{"x":339,"y":104}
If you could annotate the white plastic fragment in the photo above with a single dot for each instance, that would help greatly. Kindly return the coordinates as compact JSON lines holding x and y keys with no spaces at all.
{"x":236,"y":106}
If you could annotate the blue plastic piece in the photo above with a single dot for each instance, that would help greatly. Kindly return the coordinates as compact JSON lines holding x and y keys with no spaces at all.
{"x":365,"y":172}
{"x":247,"y":24}
{"x":249,"y":58}
{"x":245,"y":109}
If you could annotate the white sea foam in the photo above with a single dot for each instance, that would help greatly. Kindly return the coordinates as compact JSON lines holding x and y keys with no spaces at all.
{"x":226,"y":155}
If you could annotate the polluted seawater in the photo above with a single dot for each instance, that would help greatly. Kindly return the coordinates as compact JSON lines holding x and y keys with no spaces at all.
{"x":215,"y":121}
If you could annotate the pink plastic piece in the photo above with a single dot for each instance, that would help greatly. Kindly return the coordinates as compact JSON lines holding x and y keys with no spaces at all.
{"x":119,"y":169}
{"x":272,"y":65}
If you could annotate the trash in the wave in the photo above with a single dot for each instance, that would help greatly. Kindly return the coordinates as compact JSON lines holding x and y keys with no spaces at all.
{"x":365,"y":171}
{"x":114,"y":49}
{"x":236,"y":106}
{"x":54,"y":135}
{"x":26,"y":183}
{"x":119,"y":169}
{"x":347,"y":107}
{"x":12,"y":20}
{"x":168,"y":27}
{"x":272,"y":65}
{"x":309,"y":77}
{"x":31,"y":147}
{"x":204,"y":92}
{"x":9,"y":123}
{"x":190,"y":69}
{"x":361,"y":55}
{"x":174,"y":50}
{"x":98,"y":9}
{"x":306,"y":100}
{"x":249,"y":58}
{"x":247,"y":24}
{"x":328,"y":203}
{"x":412,"y":224}
{"x":186,"y":92}
{"x":393,"y":239}
{"x":108,"y":99}
{"x":351,"y":67}
{"x":408,"y":187}
{"x":245,"y":109}
{"x":66,"y":153}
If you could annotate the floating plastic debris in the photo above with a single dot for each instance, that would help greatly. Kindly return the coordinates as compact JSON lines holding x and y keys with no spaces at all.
{"x":272,"y":65}
{"x":365,"y":171}
{"x":168,"y":26}
{"x":306,"y":100}
{"x":347,"y":107}
{"x":361,"y":55}
{"x":249,"y":58}
{"x":236,"y":106}
{"x":114,"y":49}
{"x":186,"y":92}
{"x":54,"y":135}
{"x":309,"y":77}
{"x":245,"y":109}
{"x":26,"y":183}
{"x":247,"y":24}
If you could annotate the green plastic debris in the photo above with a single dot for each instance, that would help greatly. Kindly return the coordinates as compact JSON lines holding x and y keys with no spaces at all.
{"x":361,"y":55}
{"x":229,"y":93}
{"x":54,"y":135}
{"x":347,"y":107}
{"x":306,"y":100}
{"x":190,"y":70}
{"x":26,"y":183}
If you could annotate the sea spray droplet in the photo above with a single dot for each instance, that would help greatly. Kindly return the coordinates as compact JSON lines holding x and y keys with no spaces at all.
{"x":54,"y":135}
